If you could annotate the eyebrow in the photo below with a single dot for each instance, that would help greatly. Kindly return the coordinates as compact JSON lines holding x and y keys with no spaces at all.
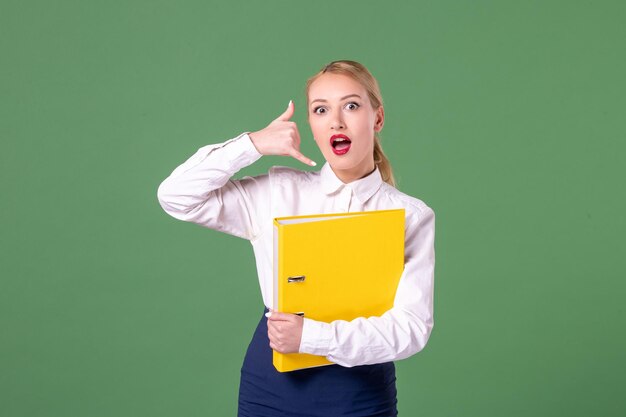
{"x":342,"y":98}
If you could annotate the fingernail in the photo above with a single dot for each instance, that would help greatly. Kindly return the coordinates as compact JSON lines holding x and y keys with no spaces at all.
{"x":289,"y":103}
{"x":313,"y":163}
{"x":268,"y":314}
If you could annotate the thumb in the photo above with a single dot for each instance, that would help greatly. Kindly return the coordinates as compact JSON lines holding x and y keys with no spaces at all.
{"x":288,"y":113}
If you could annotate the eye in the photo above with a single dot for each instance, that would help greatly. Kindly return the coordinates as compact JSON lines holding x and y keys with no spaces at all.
{"x":319,"y":110}
{"x":352,"y":105}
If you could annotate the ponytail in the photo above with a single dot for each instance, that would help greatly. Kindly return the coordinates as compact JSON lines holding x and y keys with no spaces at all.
{"x":383,"y":164}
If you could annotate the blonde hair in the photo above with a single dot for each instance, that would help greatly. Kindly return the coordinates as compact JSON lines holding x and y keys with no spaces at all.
{"x":359,"y":73}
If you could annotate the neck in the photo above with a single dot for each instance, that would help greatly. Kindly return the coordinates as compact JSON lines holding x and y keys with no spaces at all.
{"x":348,"y":175}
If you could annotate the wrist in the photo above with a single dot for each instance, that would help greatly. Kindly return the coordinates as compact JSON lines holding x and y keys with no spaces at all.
{"x":253,"y":138}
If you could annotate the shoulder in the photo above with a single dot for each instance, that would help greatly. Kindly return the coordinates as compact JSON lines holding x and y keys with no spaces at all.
{"x":415,"y":208}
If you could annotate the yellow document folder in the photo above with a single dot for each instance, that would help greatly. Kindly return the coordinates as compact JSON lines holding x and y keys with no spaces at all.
{"x":336,"y":266}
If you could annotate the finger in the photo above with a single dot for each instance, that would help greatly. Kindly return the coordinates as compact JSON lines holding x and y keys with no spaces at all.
{"x":298,"y":155}
{"x":297,"y":137}
{"x":275,"y":329}
{"x":287,"y":113}
{"x":278,"y":348}
{"x":271,"y":335}
{"x":277,"y":316}
{"x":270,"y":312}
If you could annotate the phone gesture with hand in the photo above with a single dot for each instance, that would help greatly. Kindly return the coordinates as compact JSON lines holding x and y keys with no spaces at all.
{"x":280,"y":137}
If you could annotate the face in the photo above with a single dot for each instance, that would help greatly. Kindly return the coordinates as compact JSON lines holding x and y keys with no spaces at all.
{"x":339,"y":105}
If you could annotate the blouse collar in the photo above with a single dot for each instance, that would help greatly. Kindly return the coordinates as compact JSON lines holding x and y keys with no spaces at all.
{"x":363,"y":188}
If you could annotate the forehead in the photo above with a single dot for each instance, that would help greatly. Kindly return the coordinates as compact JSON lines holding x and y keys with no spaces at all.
{"x":334,"y":86}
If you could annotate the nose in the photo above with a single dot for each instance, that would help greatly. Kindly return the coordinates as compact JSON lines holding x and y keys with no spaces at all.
{"x":337,"y":122}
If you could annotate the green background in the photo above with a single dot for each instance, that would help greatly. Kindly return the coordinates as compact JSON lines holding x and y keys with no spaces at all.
{"x":506,"y":117}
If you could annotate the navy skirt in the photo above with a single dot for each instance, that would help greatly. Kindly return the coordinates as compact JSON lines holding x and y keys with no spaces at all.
{"x":326,"y":391}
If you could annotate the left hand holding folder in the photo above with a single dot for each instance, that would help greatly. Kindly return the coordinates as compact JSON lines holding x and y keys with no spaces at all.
{"x":284,"y":331}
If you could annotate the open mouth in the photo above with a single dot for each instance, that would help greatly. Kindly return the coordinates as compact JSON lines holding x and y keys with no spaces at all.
{"x":340,"y":143}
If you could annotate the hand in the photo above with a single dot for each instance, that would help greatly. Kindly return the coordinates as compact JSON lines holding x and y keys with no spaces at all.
{"x":280,"y":137}
{"x":284,"y":331}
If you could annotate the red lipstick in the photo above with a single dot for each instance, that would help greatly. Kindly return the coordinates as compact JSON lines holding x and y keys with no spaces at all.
{"x":340,"y":147}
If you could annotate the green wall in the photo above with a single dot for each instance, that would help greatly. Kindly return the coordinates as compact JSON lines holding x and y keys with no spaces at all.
{"x":507,"y":117}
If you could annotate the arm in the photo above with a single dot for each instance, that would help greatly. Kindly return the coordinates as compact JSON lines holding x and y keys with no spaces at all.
{"x":401,"y":331}
{"x":200,"y":190}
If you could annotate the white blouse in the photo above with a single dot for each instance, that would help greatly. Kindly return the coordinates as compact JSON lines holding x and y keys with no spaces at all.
{"x":201,"y":191}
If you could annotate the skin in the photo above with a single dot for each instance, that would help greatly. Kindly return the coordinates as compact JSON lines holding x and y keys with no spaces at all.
{"x":330,"y":112}
{"x":339,"y":104}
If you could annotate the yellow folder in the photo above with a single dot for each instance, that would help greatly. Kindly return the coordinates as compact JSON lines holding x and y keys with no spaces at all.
{"x":337,"y":266}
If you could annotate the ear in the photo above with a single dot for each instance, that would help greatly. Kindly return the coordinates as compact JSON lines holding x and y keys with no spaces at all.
{"x":380,"y":119}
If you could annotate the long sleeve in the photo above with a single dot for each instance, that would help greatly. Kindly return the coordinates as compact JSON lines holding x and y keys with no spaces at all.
{"x":201,"y":190}
{"x":401,"y":331}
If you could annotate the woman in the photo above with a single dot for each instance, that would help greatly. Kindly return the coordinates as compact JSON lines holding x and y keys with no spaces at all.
{"x":345,"y":112}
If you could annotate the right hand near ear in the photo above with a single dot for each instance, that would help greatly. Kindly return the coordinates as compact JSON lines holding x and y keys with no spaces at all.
{"x":280,"y":137}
